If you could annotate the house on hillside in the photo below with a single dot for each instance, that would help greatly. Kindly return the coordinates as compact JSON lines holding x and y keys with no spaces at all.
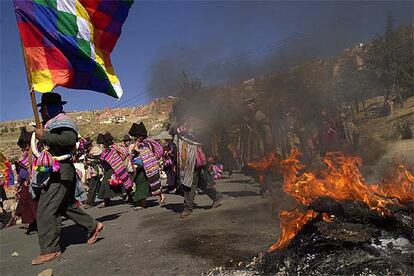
{"x":119,"y":119}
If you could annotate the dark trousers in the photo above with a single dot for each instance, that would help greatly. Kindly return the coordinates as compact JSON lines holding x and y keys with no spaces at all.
{"x":94,"y":184}
{"x":203,"y":180}
{"x":57,"y":200}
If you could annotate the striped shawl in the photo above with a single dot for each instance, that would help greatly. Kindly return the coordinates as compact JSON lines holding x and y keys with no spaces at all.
{"x":151,"y":166}
{"x":113,"y":158}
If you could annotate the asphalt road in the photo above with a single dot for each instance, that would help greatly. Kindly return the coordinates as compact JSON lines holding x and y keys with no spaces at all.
{"x":155,"y":241}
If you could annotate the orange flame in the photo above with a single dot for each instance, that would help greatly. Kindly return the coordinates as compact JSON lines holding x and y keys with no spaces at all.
{"x":341,"y":180}
{"x":291,"y":222}
{"x":401,"y":186}
{"x":268,"y":163}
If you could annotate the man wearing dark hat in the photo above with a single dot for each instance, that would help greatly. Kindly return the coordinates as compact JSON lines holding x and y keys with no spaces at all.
{"x":57,"y":195}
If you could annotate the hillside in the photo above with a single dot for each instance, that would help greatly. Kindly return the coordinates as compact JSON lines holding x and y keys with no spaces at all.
{"x":118,"y":121}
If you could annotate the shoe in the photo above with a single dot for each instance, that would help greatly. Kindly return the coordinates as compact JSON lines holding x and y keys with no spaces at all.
{"x":185,"y":214}
{"x":31,"y":229}
{"x":217,"y":203}
{"x":30,"y":232}
{"x":87,"y":206}
{"x":45,"y":258}
{"x":94,"y":235}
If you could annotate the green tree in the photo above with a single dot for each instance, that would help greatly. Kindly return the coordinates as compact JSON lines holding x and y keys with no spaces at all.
{"x":390,"y":58}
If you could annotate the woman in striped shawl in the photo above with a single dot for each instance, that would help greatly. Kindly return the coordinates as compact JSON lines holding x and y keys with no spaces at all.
{"x":27,"y":206}
{"x":147,"y":153}
{"x":116,"y":179}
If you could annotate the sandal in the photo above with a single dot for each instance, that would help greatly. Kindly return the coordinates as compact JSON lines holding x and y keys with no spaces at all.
{"x":45,"y":258}
{"x":94,"y":235}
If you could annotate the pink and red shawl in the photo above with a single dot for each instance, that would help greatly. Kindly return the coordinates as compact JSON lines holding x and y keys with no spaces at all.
{"x":24,"y":160}
{"x":114,"y":159}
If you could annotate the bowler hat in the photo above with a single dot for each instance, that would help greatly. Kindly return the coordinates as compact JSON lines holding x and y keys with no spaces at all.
{"x":24,"y":138}
{"x":126,"y":138}
{"x":51,"y":98}
{"x":105,"y":139}
{"x":137,"y":130}
{"x":108,"y":136}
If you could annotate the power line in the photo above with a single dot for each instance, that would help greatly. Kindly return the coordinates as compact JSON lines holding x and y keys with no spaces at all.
{"x":278,"y":44}
{"x":211,"y":65}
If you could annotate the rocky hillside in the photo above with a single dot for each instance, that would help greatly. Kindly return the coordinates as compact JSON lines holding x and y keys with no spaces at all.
{"x":118,"y":121}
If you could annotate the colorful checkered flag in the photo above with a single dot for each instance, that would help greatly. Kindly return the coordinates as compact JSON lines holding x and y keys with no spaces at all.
{"x":68,"y":43}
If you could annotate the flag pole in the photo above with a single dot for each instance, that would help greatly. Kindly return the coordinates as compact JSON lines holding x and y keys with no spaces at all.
{"x":33,"y":101}
{"x":34,"y":108}
{"x":31,"y":90}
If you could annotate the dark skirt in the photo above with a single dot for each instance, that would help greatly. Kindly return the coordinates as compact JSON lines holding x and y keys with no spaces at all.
{"x":108,"y":191}
{"x":171,"y":178}
{"x":142,"y":190}
{"x":94,"y":186}
{"x":27,"y":206}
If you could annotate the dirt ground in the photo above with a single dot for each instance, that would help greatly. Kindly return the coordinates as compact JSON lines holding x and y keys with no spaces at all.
{"x":155,"y":241}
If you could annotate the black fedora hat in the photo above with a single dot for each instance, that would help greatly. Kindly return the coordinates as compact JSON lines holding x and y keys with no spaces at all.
{"x":137,"y":130}
{"x":108,"y":136}
{"x":108,"y":139}
{"x":105,"y":139}
{"x":51,"y":98}
{"x":24,"y":138}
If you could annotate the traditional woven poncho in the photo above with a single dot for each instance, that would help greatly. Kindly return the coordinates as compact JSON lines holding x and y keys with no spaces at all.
{"x":24,"y":160}
{"x":61,"y":121}
{"x":186,"y":160}
{"x":113,"y":157}
{"x":148,"y":153}
{"x":126,"y":156}
{"x":24,"y":166}
{"x":45,"y":161}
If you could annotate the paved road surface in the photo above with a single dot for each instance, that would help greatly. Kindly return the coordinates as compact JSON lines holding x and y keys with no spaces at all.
{"x":154,"y":241}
